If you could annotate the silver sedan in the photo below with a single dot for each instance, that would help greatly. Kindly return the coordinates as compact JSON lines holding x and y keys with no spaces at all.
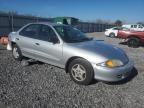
{"x":83,"y":58}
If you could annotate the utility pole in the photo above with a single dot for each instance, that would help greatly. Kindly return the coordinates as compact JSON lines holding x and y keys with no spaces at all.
{"x":12,"y":22}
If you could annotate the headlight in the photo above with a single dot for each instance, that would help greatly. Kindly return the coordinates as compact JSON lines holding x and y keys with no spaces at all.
{"x":111,"y":63}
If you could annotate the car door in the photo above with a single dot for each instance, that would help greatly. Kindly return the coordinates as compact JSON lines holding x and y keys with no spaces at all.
{"x":27,"y":40}
{"x":49,"y":51}
{"x":115,"y":31}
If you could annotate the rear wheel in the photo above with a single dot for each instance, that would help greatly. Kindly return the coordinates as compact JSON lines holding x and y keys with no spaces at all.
{"x":112,"y":35}
{"x":81,"y":71}
{"x":133,"y":42}
{"x":17,"y":53}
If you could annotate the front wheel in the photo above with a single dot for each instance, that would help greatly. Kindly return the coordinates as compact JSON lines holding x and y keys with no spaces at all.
{"x":133,"y":42}
{"x":81,"y":71}
{"x":17,"y":53}
{"x":112,"y":35}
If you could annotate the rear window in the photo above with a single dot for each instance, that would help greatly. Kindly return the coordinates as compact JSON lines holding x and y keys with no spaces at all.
{"x":115,"y":28}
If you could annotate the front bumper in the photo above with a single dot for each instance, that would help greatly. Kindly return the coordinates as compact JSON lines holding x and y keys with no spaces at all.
{"x":112,"y":74}
{"x":9,"y":46}
{"x":106,"y":33}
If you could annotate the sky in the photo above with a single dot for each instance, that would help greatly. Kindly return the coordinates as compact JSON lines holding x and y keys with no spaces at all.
{"x":130,"y":11}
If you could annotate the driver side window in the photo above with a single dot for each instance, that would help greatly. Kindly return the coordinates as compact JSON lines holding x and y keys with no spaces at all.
{"x":46,"y":33}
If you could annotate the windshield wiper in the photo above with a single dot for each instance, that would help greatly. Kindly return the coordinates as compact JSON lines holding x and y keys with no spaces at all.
{"x":80,"y":40}
{"x":87,"y":39}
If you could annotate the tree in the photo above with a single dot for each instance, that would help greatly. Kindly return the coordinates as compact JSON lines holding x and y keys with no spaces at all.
{"x":118,"y":23}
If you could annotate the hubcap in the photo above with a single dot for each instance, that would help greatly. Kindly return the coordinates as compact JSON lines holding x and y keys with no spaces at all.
{"x":112,"y":35}
{"x":78,"y":72}
{"x":133,"y":42}
{"x":15,"y":53}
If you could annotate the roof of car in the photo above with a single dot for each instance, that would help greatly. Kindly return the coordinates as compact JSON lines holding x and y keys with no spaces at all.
{"x":47,"y":23}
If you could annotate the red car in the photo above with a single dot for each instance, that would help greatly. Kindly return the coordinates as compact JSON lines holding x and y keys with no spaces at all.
{"x":4,"y":40}
{"x":135,"y":38}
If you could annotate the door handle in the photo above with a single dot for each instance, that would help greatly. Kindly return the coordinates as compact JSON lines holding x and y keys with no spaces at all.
{"x":37,"y":43}
{"x":17,"y":38}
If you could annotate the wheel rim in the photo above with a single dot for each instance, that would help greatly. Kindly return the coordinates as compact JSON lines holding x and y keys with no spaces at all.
{"x":112,"y":35}
{"x":15,"y":53}
{"x":78,"y":72}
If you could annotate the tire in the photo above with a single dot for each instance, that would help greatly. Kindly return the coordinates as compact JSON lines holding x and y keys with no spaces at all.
{"x":112,"y":35}
{"x":133,"y":42}
{"x":16,"y":52}
{"x":81,"y":71}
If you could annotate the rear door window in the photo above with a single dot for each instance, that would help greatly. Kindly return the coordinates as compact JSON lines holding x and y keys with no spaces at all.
{"x":135,"y":26}
{"x":31,"y":31}
{"x":132,"y":26}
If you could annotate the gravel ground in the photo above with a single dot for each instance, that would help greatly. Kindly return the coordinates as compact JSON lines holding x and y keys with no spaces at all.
{"x":45,"y":86}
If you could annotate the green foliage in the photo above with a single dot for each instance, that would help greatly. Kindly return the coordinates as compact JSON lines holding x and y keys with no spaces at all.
{"x":118,"y":23}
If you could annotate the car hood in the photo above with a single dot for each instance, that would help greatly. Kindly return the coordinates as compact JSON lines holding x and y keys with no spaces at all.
{"x":102,"y":49}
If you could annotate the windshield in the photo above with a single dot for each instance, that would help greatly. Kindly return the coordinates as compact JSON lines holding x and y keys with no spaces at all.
{"x":70,"y":34}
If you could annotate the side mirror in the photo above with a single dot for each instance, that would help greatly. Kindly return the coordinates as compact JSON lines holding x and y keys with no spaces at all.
{"x":54,"y":40}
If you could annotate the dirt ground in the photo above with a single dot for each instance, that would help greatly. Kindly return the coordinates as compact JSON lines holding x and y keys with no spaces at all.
{"x":45,"y":86}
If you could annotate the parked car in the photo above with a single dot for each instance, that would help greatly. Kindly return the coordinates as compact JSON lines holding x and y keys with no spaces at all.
{"x":83,"y":58}
{"x":112,"y":32}
{"x":134,"y":38}
{"x":135,"y":27}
